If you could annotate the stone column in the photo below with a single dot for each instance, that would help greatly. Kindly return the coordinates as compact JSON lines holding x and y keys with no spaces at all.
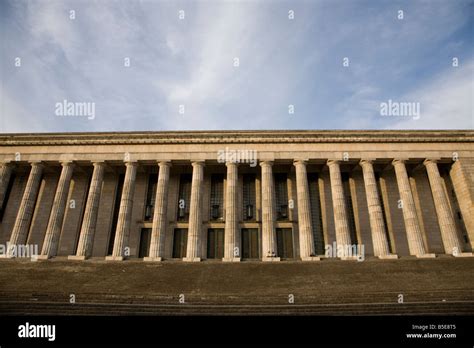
{"x":193,"y":251}
{"x":231,"y":239}
{"x":86,"y":238}
{"x":53,"y":231}
{"x":341,"y":221}
{"x":158,"y":233}
{"x":377,"y":225}
{"x":306,"y":238}
{"x":5,"y":175}
{"x":464,"y":190}
{"x":269,"y":240}
{"x":21,"y":228}
{"x":122,"y":232}
{"x":447,"y":225}
{"x":412,"y":225}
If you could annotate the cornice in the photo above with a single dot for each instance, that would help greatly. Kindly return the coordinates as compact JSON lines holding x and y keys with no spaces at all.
{"x":238,"y":137}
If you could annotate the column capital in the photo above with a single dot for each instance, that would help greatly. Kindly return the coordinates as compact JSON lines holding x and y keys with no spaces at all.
{"x":366,"y":161}
{"x":36,"y":163}
{"x":164,"y":164}
{"x":65,"y":163}
{"x":398,"y":160}
{"x":199,"y":163}
{"x":333,"y":161}
{"x":131,"y":163}
{"x":300,"y":162}
{"x":231,"y":164}
{"x":430,"y":160}
{"x":266,"y":163}
{"x":98,"y":163}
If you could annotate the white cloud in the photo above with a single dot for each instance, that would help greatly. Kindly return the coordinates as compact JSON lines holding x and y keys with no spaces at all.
{"x":190,"y":62}
{"x":446,"y":102}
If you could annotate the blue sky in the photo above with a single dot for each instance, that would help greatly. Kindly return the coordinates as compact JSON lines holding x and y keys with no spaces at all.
{"x":190,"y":62}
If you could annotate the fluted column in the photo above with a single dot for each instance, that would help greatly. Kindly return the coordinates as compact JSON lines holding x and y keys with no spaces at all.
{"x":158,"y":233}
{"x":5,"y":175}
{"x":462,"y":186}
{"x":412,"y":225}
{"x":122,"y":232}
{"x":269,"y":241}
{"x":341,"y":221}
{"x":53,"y":231}
{"x":86,"y":238}
{"x":193,"y":251}
{"x":377,"y":225}
{"x":306,"y":238}
{"x":447,"y":225}
{"x":231,"y":239}
{"x":21,"y":228}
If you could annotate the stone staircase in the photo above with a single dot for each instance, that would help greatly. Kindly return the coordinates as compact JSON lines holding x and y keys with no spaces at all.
{"x":429,"y":287}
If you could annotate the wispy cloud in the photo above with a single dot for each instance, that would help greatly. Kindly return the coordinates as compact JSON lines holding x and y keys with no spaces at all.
{"x":446,"y":102}
{"x":190,"y":62}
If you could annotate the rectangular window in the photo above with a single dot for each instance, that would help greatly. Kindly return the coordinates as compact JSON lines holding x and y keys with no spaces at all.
{"x":215,"y":243}
{"x":249,"y":199}
{"x":184,"y":197}
{"x":150,"y":197}
{"x":180,"y":243}
{"x":285,"y":243}
{"x":145,"y":239}
{"x":281,"y":195}
{"x":217,"y":197}
{"x":250,"y":245}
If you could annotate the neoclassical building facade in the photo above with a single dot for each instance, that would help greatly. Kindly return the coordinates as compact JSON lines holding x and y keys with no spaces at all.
{"x":238,"y":195}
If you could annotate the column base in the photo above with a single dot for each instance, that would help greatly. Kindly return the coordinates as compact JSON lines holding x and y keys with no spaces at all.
{"x":350,"y":258}
{"x":426,"y":256}
{"x":153,"y":259}
{"x":388,"y":257}
{"x":463,"y":255}
{"x":311,"y":258}
{"x":114,"y":258}
{"x":6,"y":256}
{"x":270,"y":259}
{"x":43,"y":257}
{"x":192,"y":259}
{"x":77,"y":257}
{"x":231,"y":259}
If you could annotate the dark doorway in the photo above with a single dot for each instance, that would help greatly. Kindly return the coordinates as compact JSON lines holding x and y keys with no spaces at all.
{"x":145,"y":239}
{"x":285,"y":243}
{"x":250,"y":243}
{"x":215,"y":243}
{"x":180,"y":243}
